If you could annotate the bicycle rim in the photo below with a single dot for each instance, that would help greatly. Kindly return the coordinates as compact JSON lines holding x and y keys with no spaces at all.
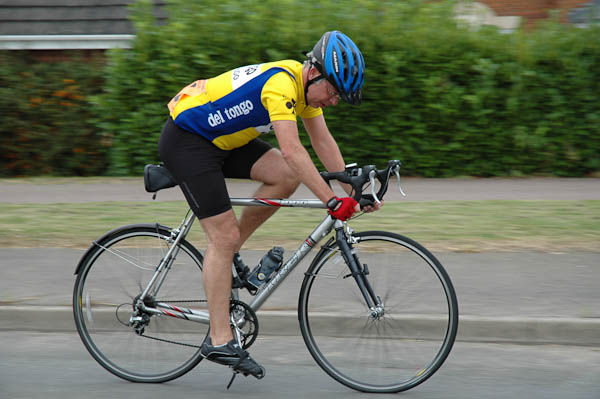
{"x":393,"y":352}
{"x":112,"y":276}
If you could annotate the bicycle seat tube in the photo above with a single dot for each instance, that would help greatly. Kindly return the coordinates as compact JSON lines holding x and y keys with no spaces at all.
{"x":161,"y":271}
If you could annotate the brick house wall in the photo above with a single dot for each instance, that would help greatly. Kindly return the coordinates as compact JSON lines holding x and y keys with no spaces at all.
{"x":50,"y":30}
{"x":100,"y":24}
{"x":532,"y":11}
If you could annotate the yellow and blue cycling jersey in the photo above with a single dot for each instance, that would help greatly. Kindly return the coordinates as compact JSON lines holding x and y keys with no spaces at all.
{"x":237,"y":106}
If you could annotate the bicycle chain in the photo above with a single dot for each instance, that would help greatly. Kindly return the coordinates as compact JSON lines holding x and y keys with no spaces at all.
{"x":233,"y":303}
{"x":168,"y":340}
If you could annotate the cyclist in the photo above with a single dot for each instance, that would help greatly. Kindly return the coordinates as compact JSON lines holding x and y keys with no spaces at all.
{"x":212,"y":134}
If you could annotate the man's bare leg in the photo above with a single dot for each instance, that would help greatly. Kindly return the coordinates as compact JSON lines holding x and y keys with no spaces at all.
{"x":278,"y":182}
{"x":223,"y":236}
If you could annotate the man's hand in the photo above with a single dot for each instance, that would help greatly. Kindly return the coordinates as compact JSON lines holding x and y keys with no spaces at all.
{"x":342,"y":208}
{"x":370,"y":205}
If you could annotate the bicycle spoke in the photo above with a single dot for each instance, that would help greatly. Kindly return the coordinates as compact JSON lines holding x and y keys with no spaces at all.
{"x":394,"y":349}
{"x":124,"y":256}
{"x":116,"y":273}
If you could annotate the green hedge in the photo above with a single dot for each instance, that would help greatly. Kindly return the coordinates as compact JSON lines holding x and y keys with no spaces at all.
{"x":46,"y":126}
{"x":444,"y":99}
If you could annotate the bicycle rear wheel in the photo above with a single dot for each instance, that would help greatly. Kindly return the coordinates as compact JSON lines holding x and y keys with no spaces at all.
{"x":400,"y":347}
{"x":111,"y":275}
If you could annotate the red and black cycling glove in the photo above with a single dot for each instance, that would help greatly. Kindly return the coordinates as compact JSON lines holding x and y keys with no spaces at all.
{"x":341,"y":208}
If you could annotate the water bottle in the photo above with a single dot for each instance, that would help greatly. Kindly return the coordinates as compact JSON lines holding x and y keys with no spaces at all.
{"x":268,"y":265}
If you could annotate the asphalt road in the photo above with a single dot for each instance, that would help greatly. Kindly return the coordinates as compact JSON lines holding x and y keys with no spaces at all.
{"x":502,"y":284}
{"x":55,"y":365}
{"x":540,"y":292}
{"x":508,"y":293}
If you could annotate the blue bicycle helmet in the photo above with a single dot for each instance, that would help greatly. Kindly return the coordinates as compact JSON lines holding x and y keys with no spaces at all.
{"x":339,"y":61}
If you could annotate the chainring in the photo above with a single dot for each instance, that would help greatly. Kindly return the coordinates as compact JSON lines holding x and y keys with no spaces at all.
{"x":245,"y":321}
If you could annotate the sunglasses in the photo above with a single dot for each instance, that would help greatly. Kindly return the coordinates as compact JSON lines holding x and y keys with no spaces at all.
{"x":332,"y":92}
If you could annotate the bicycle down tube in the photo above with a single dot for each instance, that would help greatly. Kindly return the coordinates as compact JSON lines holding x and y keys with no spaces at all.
{"x":322,"y":230}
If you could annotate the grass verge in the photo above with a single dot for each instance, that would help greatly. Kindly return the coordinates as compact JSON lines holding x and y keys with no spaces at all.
{"x":475,"y":226}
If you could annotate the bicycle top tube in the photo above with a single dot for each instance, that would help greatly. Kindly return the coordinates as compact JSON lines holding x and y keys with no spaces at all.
{"x":157,"y":177}
{"x":299,"y":203}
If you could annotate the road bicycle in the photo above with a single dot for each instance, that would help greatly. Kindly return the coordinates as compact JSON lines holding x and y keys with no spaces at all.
{"x":377,"y":311}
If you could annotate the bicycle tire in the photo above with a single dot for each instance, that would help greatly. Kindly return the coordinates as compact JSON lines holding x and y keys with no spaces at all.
{"x":392,"y":353}
{"x":109,"y":277}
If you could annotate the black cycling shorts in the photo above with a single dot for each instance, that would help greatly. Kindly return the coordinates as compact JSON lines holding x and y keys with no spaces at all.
{"x":200,"y":167}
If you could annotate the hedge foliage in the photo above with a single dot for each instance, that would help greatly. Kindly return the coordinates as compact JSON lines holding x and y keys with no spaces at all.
{"x":445,"y":99}
{"x":46,"y":125}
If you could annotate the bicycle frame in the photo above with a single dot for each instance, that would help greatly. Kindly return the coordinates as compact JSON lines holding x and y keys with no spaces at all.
{"x":159,"y":267}
{"x":322,"y":230}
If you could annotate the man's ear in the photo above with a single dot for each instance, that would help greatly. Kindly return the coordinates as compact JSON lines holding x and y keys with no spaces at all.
{"x":313,"y":72}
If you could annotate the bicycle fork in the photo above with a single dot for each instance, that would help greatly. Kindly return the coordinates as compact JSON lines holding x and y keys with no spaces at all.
{"x":358,"y":271}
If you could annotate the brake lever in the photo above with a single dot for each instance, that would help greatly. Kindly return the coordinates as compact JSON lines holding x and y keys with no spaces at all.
{"x":397,"y":172}
{"x":372,"y":180}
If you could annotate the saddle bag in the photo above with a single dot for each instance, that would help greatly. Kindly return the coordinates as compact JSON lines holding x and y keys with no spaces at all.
{"x":157,"y":177}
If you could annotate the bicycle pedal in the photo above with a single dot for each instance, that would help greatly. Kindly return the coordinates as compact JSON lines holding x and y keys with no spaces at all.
{"x":235,"y":373}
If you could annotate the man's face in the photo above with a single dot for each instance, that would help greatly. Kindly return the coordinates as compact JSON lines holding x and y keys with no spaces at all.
{"x":322,"y":94}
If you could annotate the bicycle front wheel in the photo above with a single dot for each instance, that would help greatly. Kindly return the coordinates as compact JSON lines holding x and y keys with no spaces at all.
{"x":405,"y":341}
{"x":110,"y":277}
